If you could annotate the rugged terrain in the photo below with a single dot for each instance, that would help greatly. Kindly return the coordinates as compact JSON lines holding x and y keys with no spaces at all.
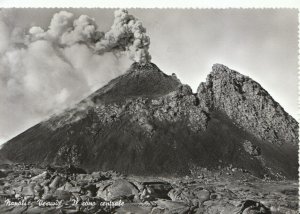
{"x":230,"y":148}
{"x":148,"y":123}
{"x":31,"y":189}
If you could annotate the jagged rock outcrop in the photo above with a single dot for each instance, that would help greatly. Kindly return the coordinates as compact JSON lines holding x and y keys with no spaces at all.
{"x":146,"y":122}
{"x":251,"y":106}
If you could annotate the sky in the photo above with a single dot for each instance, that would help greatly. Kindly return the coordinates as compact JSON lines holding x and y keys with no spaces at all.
{"x":40,"y":77}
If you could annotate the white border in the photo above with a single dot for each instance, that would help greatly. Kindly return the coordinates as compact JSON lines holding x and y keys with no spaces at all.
{"x":153,"y":3}
{"x":165,"y":4}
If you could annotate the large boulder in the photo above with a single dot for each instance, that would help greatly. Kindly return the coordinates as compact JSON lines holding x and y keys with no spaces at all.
{"x":251,"y":207}
{"x":157,"y":189}
{"x":118,"y":189}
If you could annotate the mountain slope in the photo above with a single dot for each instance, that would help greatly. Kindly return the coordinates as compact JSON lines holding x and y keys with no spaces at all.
{"x":140,"y":80}
{"x":246,"y":102}
{"x":146,"y":122}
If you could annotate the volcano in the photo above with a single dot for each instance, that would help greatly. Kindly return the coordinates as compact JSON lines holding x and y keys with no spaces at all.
{"x":145,"y":122}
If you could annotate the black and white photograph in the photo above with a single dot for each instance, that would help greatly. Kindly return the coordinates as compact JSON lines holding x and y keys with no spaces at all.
{"x":149,"y":111}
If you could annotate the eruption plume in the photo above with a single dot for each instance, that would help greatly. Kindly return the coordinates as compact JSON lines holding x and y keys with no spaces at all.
{"x":127,"y":34}
{"x":44,"y":70}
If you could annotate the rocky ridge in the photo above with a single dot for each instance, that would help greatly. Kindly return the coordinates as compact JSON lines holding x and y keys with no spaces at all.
{"x":155,"y":124}
{"x":251,"y":106}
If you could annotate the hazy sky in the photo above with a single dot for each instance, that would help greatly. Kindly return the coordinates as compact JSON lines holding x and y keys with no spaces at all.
{"x":260,"y":43}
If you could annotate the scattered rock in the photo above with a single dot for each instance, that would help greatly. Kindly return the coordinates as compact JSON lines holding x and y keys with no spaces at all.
{"x":57,"y":181}
{"x":186,"y":194}
{"x":252,"y":207}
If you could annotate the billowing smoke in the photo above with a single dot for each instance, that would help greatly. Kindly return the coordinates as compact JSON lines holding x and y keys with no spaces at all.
{"x":127,"y":34}
{"x":45,"y":70}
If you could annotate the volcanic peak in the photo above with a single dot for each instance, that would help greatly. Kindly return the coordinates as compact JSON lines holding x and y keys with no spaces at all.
{"x":143,"y":80}
{"x":143,"y":67}
{"x":156,"y":125}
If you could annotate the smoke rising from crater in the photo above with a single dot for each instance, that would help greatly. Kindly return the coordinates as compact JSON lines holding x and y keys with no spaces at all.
{"x":127,"y":34}
{"x":43,"y":71}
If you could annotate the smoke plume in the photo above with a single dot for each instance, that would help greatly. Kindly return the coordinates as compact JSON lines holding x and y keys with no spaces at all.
{"x":127,"y":34}
{"x":45,"y":70}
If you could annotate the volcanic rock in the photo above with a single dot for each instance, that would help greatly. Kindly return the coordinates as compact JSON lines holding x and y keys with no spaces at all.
{"x":145,"y":122}
{"x":246,"y":102}
{"x":252,"y":207}
{"x":255,"y":197}
{"x":157,"y":189}
{"x":117,"y":190}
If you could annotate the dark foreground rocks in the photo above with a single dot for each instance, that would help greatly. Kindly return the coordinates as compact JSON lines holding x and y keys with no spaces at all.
{"x":32,"y":189}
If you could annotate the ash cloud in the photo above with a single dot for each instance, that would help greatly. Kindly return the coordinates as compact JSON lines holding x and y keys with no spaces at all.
{"x":43,"y":71}
{"x":127,"y":34}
